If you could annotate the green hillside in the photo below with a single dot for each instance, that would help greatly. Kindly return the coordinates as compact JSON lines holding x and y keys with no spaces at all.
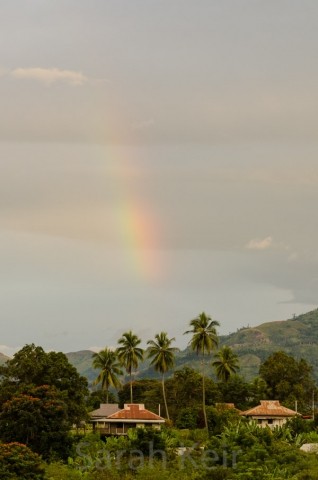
{"x":297,"y":336}
{"x":82,"y":361}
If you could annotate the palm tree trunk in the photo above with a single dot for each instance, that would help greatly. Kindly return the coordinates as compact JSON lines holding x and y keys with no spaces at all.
{"x":105,"y":387}
{"x":131,"y":391}
{"x":203,"y":395}
{"x":164,"y":396}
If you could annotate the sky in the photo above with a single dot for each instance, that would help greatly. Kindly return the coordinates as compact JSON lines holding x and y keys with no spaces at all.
{"x":158,"y":158}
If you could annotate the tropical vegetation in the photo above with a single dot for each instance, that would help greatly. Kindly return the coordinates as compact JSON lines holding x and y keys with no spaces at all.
{"x":204,"y":340}
{"x":226,"y":363}
{"x":107,"y":362}
{"x":44,"y":406}
{"x":130,"y":354}
{"x":162,"y":355}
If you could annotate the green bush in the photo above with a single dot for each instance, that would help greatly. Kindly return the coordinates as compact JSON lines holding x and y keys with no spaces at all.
{"x":188,"y":417}
{"x":58,"y":471}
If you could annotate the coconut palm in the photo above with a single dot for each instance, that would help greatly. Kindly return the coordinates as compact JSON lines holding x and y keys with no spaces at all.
{"x":226,"y":363}
{"x":162,"y":355}
{"x":204,"y":340}
{"x":130,"y":354}
{"x":106,"y":360}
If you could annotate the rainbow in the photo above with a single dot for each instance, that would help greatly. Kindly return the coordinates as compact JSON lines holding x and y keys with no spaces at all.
{"x":136,"y":226}
{"x":137,"y":229}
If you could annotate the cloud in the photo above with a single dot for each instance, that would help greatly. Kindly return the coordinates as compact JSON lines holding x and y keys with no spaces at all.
{"x":50,"y":75}
{"x":97,"y":349}
{"x":258,"y":244}
{"x":3,"y":71}
{"x":293,"y":257}
{"x":143,"y":124}
{"x":8,"y":351}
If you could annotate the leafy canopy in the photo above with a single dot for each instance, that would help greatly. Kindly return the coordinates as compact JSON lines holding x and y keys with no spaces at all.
{"x":129,"y":353}
{"x":107,"y":362}
{"x":37,"y":417}
{"x":204,"y":337}
{"x":33,"y":366}
{"x":162,"y":355}
{"x":161,"y":352}
{"x":288,"y":380}
{"x":17,"y":461}
{"x":226,"y":363}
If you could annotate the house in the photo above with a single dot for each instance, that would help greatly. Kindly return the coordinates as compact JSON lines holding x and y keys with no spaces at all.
{"x":269,"y":413}
{"x":226,"y":406}
{"x":110,"y":420}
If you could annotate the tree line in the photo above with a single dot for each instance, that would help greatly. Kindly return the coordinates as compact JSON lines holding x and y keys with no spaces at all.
{"x":281,"y":377}
{"x":161,"y":353}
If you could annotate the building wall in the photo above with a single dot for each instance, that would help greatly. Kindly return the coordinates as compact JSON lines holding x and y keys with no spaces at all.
{"x":270,"y":422}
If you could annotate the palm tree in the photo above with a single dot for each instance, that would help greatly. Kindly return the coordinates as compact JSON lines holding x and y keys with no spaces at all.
{"x":203,"y":341}
{"x":106,"y":360}
{"x":162,"y":355}
{"x":226,"y":363}
{"x":130,"y":354}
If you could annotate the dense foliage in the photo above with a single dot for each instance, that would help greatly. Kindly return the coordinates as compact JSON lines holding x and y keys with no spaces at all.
{"x":289,"y":380}
{"x":107,"y":362}
{"x":18,"y":462}
{"x":37,"y":417}
{"x":42,"y":396}
{"x":241,"y":451}
{"x":33,"y":366}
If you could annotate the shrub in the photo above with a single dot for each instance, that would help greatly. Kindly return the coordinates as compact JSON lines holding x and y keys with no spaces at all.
{"x":188,"y":417}
{"x":58,"y":471}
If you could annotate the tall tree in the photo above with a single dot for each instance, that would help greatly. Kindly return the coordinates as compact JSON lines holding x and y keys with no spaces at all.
{"x":130,"y":354}
{"x":37,"y":417}
{"x":107,"y":362}
{"x":204,"y":340}
{"x":236,"y":390}
{"x":162,"y":355}
{"x":226,"y":363}
{"x":33,"y":366}
{"x":289,"y":380}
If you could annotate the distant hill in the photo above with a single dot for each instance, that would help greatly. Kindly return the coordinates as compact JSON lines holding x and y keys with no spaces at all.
{"x":82,"y":361}
{"x":297,"y":336}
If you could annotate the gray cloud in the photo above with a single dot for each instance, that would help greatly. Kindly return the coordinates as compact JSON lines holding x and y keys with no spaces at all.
{"x":186,"y":181}
{"x":209,"y":73}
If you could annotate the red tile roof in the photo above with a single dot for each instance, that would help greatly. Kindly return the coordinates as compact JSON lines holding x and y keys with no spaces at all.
{"x":135,"y":411}
{"x":269,"y":408}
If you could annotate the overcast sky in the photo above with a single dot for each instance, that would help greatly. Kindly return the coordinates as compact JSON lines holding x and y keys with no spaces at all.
{"x":158,"y":159}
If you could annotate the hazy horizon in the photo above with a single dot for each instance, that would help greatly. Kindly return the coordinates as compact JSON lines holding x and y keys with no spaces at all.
{"x":158,"y":159}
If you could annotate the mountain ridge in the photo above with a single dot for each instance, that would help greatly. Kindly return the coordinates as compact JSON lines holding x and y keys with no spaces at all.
{"x":297,"y":336}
